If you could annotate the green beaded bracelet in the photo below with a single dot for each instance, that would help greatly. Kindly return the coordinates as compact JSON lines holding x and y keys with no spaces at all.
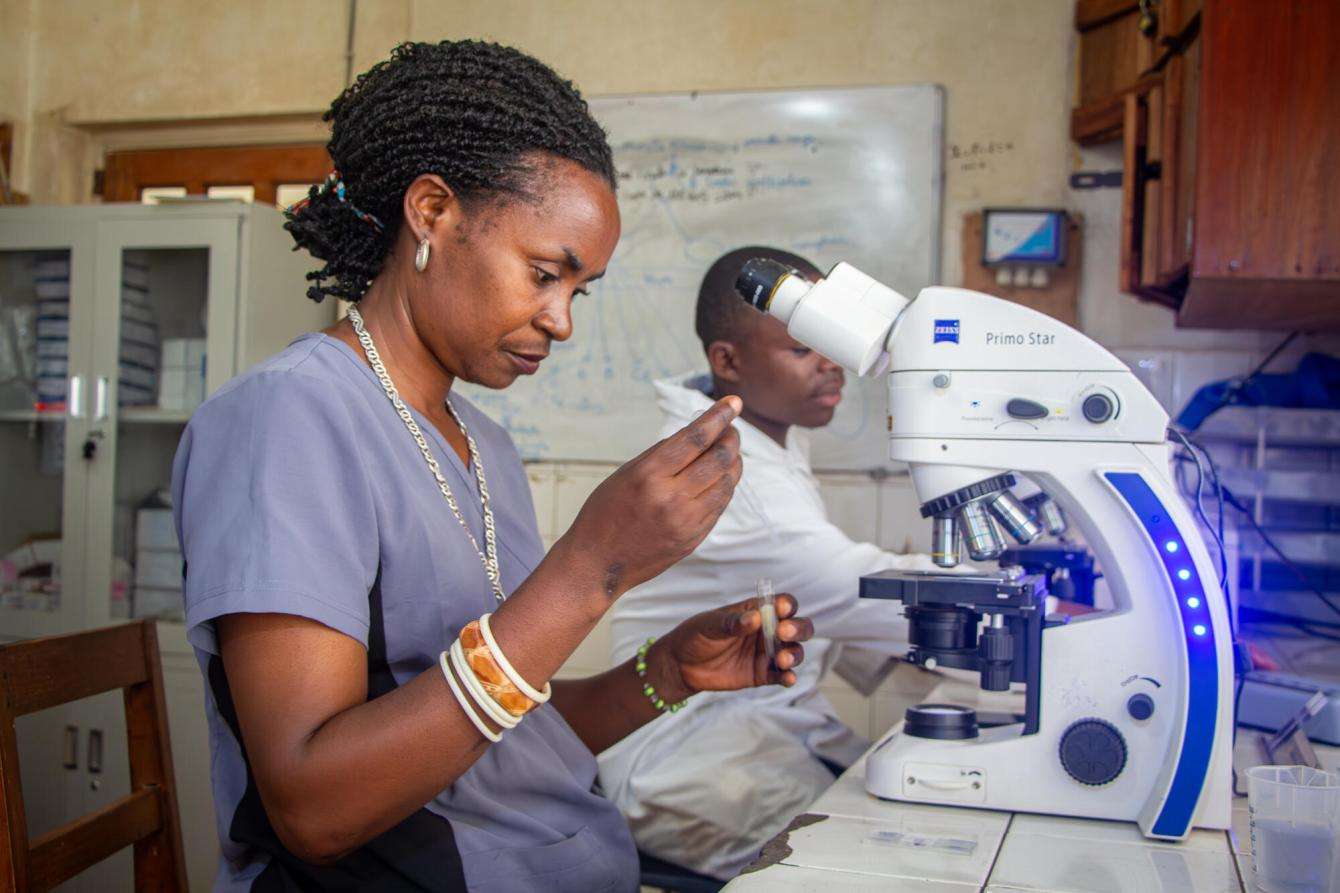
{"x":647,"y":688}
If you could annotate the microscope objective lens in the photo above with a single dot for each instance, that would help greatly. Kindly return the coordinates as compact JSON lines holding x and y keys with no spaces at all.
{"x":1013,"y":516}
{"x":979,"y":532}
{"x":946,"y":541}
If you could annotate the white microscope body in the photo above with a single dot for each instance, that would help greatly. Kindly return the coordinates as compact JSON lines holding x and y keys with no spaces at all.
{"x":979,"y":387}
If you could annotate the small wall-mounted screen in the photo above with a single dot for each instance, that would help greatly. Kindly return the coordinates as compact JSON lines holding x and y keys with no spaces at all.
{"x":1033,"y":236}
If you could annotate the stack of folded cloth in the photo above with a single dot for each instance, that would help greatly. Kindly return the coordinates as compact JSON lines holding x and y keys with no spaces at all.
{"x":51,"y":281}
{"x":137,"y":359}
{"x":137,"y":375}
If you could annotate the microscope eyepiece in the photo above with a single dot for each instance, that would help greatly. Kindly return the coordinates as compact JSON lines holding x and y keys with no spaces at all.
{"x":758,"y":280}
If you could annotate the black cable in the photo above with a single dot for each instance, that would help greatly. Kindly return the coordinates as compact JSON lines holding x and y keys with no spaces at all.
{"x":1233,"y":763}
{"x":1285,"y":559}
{"x":1241,"y":656}
{"x":1313,"y":629}
{"x":1261,"y":366}
{"x":1231,"y":393}
{"x":1231,"y":499}
{"x":1200,"y":512}
{"x":1219,"y":496}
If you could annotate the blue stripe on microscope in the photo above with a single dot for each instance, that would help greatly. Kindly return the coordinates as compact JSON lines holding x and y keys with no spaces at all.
{"x":1193,"y":763}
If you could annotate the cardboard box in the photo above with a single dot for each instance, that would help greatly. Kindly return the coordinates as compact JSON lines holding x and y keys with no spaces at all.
{"x":174,"y":352}
{"x":172,"y":388}
{"x":195,"y":354}
{"x":155,"y":530}
{"x":165,"y":604}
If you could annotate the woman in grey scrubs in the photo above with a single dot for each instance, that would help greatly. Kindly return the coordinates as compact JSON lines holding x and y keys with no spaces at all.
{"x":344,"y":516}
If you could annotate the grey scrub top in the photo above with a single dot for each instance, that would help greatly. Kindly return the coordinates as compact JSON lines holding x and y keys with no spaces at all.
{"x":298,"y":490}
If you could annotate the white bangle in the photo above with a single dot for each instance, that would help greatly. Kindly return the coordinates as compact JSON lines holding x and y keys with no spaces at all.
{"x":539,"y":697}
{"x":464,"y":701}
{"x":495,"y":710}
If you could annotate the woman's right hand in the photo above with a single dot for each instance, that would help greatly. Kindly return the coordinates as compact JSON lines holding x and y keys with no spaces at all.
{"x":657,"y":508}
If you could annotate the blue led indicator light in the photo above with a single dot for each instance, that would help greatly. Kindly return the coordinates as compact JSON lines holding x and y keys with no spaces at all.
{"x":1200,"y":724}
{"x":1184,"y":574}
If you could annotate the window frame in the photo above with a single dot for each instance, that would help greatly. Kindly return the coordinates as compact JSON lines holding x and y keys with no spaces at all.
{"x":265,"y":168}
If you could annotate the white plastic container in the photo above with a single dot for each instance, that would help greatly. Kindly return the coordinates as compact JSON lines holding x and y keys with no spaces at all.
{"x":1295,"y":825}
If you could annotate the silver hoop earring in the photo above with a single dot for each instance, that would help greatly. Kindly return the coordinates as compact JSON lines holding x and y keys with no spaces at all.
{"x":421,"y":255}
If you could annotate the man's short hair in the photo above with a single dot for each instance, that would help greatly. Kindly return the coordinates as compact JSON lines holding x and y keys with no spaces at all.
{"x":720,"y":308}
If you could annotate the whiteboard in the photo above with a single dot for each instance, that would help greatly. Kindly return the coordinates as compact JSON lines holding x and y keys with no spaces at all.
{"x":847,"y":174}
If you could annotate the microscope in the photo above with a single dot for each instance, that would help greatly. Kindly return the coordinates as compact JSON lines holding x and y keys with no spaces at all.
{"x":1128,"y":711}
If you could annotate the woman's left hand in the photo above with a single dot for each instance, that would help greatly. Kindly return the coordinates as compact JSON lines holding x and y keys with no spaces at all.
{"x":722,"y":650}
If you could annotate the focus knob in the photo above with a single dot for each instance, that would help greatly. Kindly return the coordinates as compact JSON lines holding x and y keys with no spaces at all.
{"x":1098,"y":408}
{"x":1093,"y":752}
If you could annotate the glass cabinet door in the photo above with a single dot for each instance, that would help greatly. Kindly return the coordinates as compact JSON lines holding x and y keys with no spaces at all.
{"x":46,"y":275}
{"x":166,"y":321}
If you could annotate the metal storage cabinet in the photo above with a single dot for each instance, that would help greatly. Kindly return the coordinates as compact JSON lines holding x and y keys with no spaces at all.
{"x":81,"y":446}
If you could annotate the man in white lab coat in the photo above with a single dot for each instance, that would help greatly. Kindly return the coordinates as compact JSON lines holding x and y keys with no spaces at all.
{"x":706,"y":787}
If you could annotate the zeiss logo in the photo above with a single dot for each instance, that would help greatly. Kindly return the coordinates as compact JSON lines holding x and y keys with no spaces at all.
{"x":946,"y":330}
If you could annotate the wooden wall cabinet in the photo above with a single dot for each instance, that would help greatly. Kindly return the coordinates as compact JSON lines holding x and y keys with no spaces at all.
{"x":1231,"y":149}
{"x":1118,"y":41}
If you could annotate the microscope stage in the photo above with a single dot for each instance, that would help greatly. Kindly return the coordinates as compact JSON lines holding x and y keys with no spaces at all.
{"x":1002,"y":589}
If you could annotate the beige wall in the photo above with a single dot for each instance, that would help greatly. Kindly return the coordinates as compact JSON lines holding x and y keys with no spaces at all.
{"x":15,"y":33}
{"x":148,"y":59}
{"x":1006,"y":65}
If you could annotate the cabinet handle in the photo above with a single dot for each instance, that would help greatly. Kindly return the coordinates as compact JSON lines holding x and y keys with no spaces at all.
{"x":1148,"y":23}
{"x":70,"y":748}
{"x":100,"y":398}
{"x":74,"y":405}
{"x":95,"y":751}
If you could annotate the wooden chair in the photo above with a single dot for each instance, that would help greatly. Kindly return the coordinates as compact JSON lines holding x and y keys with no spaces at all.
{"x":47,"y":672}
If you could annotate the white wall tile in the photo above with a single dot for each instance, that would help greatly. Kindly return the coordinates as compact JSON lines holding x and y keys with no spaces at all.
{"x":900,"y":517}
{"x":593,"y":654}
{"x":851,"y":706}
{"x":905,"y":687}
{"x":543,"y":486}
{"x":571,"y":486}
{"x":1155,"y":369}
{"x":852,"y":501}
{"x":574,"y":483}
{"x":847,"y":845}
{"x":1063,"y":861}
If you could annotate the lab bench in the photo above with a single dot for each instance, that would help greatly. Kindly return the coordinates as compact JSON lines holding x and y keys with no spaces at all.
{"x":849,"y":840}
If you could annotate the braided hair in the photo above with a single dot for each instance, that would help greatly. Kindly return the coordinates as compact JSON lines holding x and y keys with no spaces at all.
{"x":471,"y":112}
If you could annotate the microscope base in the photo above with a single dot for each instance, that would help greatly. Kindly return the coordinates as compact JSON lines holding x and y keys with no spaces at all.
{"x":1003,"y":770}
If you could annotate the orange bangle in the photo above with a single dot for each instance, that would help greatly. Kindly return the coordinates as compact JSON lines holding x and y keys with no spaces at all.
{"x":490,"y":674}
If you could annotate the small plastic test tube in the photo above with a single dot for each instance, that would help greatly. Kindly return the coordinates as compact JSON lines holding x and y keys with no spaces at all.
{"x":767,"y":609}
